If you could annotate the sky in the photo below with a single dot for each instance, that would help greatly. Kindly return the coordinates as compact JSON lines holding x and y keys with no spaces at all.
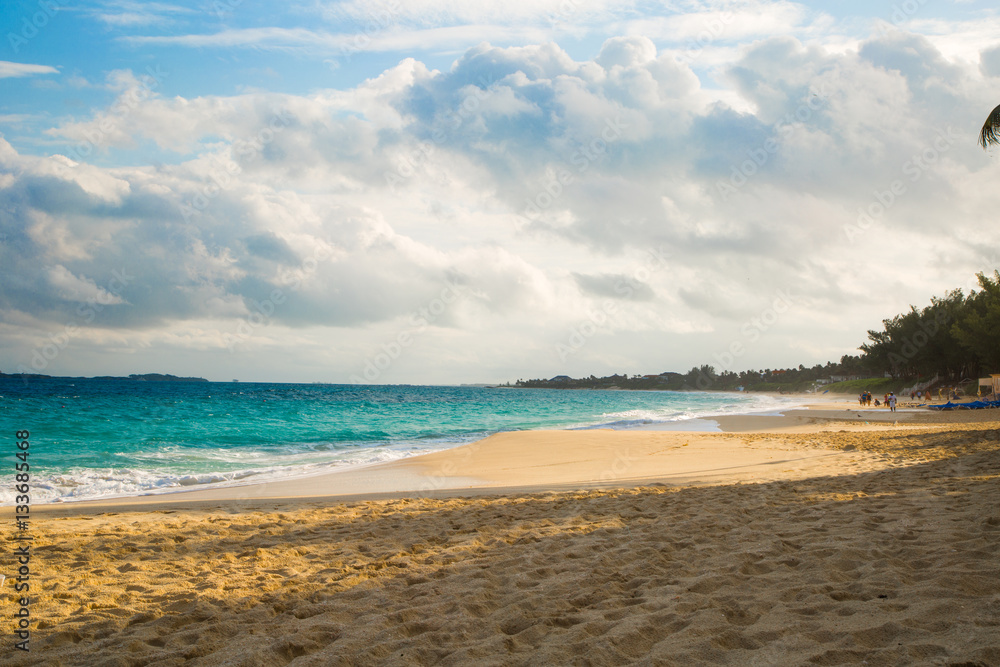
{"x":436,"y":192}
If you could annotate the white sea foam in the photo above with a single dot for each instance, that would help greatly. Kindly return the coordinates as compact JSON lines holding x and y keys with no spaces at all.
{"x":93,"y":484}
{"x":740,"y":404}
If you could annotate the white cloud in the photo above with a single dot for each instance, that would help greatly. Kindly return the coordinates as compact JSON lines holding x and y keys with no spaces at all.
{"x":439,"y":12}
{"x":11,"y":70}
{"x":79,"y":289}
{"x":958,"y":39}
{"x":269,"y":37}
{"x":128,"y":13}
{"x":448,"y":26}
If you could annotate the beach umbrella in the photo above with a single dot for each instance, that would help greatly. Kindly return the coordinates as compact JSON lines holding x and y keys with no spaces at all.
{"x":990,"y":134}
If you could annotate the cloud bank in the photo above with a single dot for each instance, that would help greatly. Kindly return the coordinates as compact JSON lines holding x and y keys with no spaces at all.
{"x":494,"y":211}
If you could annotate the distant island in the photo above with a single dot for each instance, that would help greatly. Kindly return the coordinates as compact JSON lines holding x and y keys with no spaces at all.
{"x":145,"y":377}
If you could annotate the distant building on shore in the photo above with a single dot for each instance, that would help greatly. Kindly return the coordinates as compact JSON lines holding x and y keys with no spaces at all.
{"x":848,"y":378}
{"x":990,"y":385}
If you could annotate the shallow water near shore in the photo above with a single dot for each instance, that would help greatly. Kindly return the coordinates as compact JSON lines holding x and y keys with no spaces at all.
{"x":106,"y":438}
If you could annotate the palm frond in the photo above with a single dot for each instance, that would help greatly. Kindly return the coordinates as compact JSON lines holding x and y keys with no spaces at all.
{"x":990,"y":133}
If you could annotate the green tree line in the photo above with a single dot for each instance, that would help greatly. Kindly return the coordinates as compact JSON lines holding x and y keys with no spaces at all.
{"x":957,"y":336}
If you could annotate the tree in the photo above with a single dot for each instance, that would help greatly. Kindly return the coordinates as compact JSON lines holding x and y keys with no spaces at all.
{"x":918,"y":342}
{"x":852,"y":365}
{"x":990,"y":134}
{"x":876,"y":353}
{"x":978,"y":328}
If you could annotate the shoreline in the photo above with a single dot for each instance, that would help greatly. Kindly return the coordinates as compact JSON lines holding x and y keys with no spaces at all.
{"x":560,"y":460}
{"x":354,"y":471}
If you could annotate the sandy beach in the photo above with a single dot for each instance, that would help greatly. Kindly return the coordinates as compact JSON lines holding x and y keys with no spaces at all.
{"x":825,"y":536}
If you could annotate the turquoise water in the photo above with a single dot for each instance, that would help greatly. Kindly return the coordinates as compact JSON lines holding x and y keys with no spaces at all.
{"x":94,"y":439}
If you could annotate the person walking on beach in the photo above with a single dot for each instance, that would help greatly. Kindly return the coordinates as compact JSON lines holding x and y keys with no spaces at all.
{"x":892,"y":402}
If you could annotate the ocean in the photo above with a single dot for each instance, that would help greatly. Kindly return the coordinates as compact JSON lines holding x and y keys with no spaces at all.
{"x":92,"y":439}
